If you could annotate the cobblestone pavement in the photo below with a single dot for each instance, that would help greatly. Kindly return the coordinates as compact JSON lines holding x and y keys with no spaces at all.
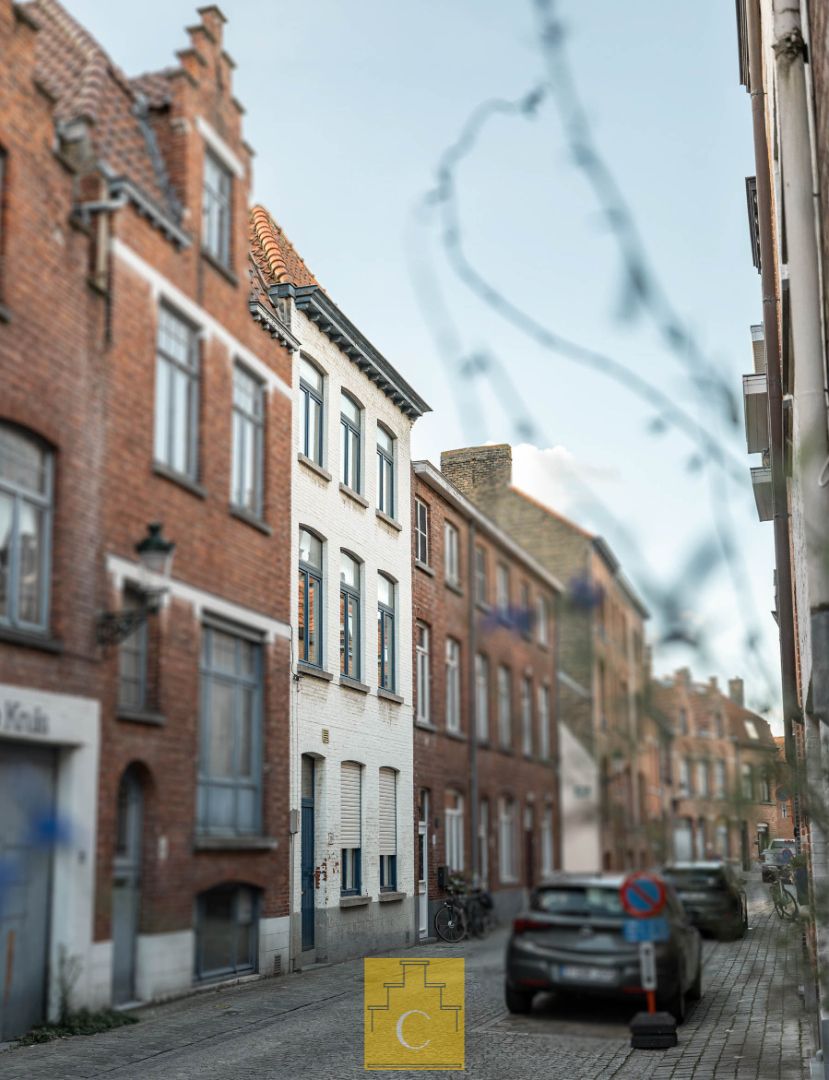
{"x":750,"y":1024}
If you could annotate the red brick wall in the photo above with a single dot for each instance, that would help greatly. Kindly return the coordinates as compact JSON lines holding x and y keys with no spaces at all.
{"x":441,"y":759}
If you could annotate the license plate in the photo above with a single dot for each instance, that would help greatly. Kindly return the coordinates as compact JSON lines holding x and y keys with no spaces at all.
{"x":583,"y":973}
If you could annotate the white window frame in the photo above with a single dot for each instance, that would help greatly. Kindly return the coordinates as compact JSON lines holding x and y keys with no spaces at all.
{"x":482,"y":697}
{"x":171,"y":446}
{"x":527,"y":715}
{"x":502,"y":587}
{"x":504,"y":706}
{"x":451,"y":554}
{"x":423,"y":672}
{"x":544,"y":721}
{"x":248,"y":426}
{"x":507,"y":841}
{"x":542,"y":620}
{"x":453,"y":685}
{"x":217,"y":209}
{"x":454,"y":829}
{"x":421,"y":532}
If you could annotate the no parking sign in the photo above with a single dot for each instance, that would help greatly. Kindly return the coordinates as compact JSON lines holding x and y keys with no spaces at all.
{"x":642,"y":895}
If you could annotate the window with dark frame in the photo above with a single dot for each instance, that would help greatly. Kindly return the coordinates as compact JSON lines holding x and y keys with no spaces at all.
{"x":177,"y":395}
{"x":385,"y":472}
{"x":26,"y":502}
{"x":350,"y":439}
{"x":311,"y":393}
{"x":227,"y":918}
{"x":248,"y":441}
{"x":421,"y":532}
{"x":388,"y":829}
{"x":386,"y":674}
{"x":132,"y":659}
{"x":230,"y":754}
{"x":309,"y":621}
{"x":349,"y":616}
{"x":217,"y":208}
{"x":351,"y":831}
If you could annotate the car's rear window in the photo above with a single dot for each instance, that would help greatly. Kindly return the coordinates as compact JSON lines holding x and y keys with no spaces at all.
{"x":683,"y":880}
{"x":581,"y":901}
{"x":776,"y":845}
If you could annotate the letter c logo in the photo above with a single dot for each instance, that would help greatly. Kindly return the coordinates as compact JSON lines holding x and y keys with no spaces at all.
{"x":401,"y":1021}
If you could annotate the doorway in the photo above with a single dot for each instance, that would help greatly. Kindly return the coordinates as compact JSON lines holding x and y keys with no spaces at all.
{"x":423,"y":867}
{"x":126,"y":886}
{"x":307,"y":854}
{"x":27,"y":806}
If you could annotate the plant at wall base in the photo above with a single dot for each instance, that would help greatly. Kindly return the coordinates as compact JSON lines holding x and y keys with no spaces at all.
{"x":82,"y":1022}
{"x":69,"y":971}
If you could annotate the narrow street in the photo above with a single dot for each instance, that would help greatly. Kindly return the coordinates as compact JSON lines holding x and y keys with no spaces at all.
{"x":750,"y":1024}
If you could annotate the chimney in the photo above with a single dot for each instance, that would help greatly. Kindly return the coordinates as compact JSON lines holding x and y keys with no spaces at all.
{"x":478,"y":470}
{"x":713,"y":685}
{"x":736,"y":692}
{"x":682,"y":676}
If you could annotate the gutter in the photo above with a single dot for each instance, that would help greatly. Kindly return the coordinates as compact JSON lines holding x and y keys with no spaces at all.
{"x":771,"y":331}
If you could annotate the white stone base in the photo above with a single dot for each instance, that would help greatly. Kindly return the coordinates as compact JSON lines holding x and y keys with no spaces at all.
{"x":274,"y":945}
{"x":164,"y":964}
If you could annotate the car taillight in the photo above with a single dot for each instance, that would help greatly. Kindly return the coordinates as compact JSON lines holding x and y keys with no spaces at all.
{"x":525,"y":926}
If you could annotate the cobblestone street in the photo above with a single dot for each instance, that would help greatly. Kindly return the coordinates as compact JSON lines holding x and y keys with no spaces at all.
{"x":749,"y":1024}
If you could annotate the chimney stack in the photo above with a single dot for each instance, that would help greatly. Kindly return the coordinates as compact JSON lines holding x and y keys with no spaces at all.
{"x":477,"y":471}
{"x":736,"y":692}
{"x":682,"y":676}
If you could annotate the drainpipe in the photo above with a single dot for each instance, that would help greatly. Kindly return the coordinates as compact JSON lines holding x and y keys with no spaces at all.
{"x":800,"y":209}
{"x":558,"y":839}
{"x":771,"y":333}
{"x":473,"y":711}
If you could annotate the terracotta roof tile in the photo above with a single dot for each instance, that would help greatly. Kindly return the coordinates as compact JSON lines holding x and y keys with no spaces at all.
{"x":86,"y":85}
{"x":274,"y":254}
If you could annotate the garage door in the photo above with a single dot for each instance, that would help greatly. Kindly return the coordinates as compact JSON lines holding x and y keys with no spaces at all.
{"x":26,"y":814}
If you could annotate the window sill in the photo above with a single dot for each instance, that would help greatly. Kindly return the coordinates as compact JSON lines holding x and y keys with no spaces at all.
{"x":507,"y":750}
{"x":390,"y":896}
{"x":220,"y":267}
{"x":164,"y":471}
{"x":455,"y":588}
{"x":355,"y":901}
{"x":30,"y":640}
{"x":317,"y":470}
{"x":355,"y":495}
{"x":482,"y":606}
{"x":5,"y":314}
{"x":387,"y":695}
{"x":235,"y":843}
{"x":459,"y":735}
{"x":141,"y":716}
{"x":315,"y":672}
{"x":392,"y":524}
{"x":424,"y":725}
{"x":424,"y":567}
{"x":250,"y":519}
{"x":354,"y":684}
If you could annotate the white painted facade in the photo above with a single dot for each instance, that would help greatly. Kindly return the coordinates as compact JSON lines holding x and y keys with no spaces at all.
{"x":581,"y":846}
{"x":334,"y":722}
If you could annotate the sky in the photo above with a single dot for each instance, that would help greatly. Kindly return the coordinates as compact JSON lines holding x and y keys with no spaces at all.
{"x":350,"y":107}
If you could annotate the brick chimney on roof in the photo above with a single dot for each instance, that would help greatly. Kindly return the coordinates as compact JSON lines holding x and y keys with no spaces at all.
{"x":477,"y":470}
{"x":736,"y":692}
{"x":682,"y":676}
{"x":713,"y":684}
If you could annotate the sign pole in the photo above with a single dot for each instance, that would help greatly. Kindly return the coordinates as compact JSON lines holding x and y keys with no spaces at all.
{"x":647,"y":972}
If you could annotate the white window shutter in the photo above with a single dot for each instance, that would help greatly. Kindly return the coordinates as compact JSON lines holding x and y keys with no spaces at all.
{"x":388,"y":812}
{"x":350,"y":804}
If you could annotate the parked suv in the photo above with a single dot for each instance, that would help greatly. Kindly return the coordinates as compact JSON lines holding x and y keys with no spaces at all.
{"x":712,"y":895}
{"x":571,"y":940}
{"x":773,"y":857}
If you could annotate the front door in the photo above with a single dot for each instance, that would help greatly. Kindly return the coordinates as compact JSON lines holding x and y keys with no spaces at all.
{"x":423,"y":879}
{"x":307,"y":873}
{"x":27,"y":809}
{"x":126,"y":887}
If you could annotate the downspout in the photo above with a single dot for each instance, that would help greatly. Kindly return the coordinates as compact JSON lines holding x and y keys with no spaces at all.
{"x":558,"y":849}
{"x":473,"y":711}
{"x":800,"y":210}
{"x":771,"y":333}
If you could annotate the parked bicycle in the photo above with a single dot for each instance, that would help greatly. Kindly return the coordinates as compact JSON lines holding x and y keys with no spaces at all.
{"x":785,"y":902}
{"x":464,"y":912}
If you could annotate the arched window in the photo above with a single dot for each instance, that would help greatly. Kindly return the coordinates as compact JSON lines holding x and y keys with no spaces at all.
{"x":311,"y":386}
{"x":26,"y":473}
{"x":350,"y":665}
{"x":386,"y":634}
{"x":309,"y":619}
{"x":350,"y":442}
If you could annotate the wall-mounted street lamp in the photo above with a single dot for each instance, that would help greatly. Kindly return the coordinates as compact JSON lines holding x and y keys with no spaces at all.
{"x":155,"y":554}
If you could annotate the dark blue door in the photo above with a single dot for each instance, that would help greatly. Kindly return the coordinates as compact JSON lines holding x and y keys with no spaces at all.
{"x":307,"y":874}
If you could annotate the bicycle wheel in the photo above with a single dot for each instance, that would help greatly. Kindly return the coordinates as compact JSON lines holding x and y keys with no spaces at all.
{"x":788,"y":905}
{"x":450,"y":923}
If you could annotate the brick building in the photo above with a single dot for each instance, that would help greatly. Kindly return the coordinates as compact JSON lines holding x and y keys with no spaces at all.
{"x":725,"y":770}
{"x":602,"y":662}
{"x":486,"y":735}
{"x":143,"y":757}
{"x":351,"y":546}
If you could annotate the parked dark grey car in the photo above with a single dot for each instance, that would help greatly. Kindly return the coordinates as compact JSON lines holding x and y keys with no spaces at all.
{"x":712,"y":894}
{"x":571,"y":940}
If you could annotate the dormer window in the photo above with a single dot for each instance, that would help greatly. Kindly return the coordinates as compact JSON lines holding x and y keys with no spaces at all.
{"x":216,"y":210}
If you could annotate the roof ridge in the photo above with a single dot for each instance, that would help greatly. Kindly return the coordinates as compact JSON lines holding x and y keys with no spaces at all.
{"x":554,"y":513}
{"x":278,"y":250}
